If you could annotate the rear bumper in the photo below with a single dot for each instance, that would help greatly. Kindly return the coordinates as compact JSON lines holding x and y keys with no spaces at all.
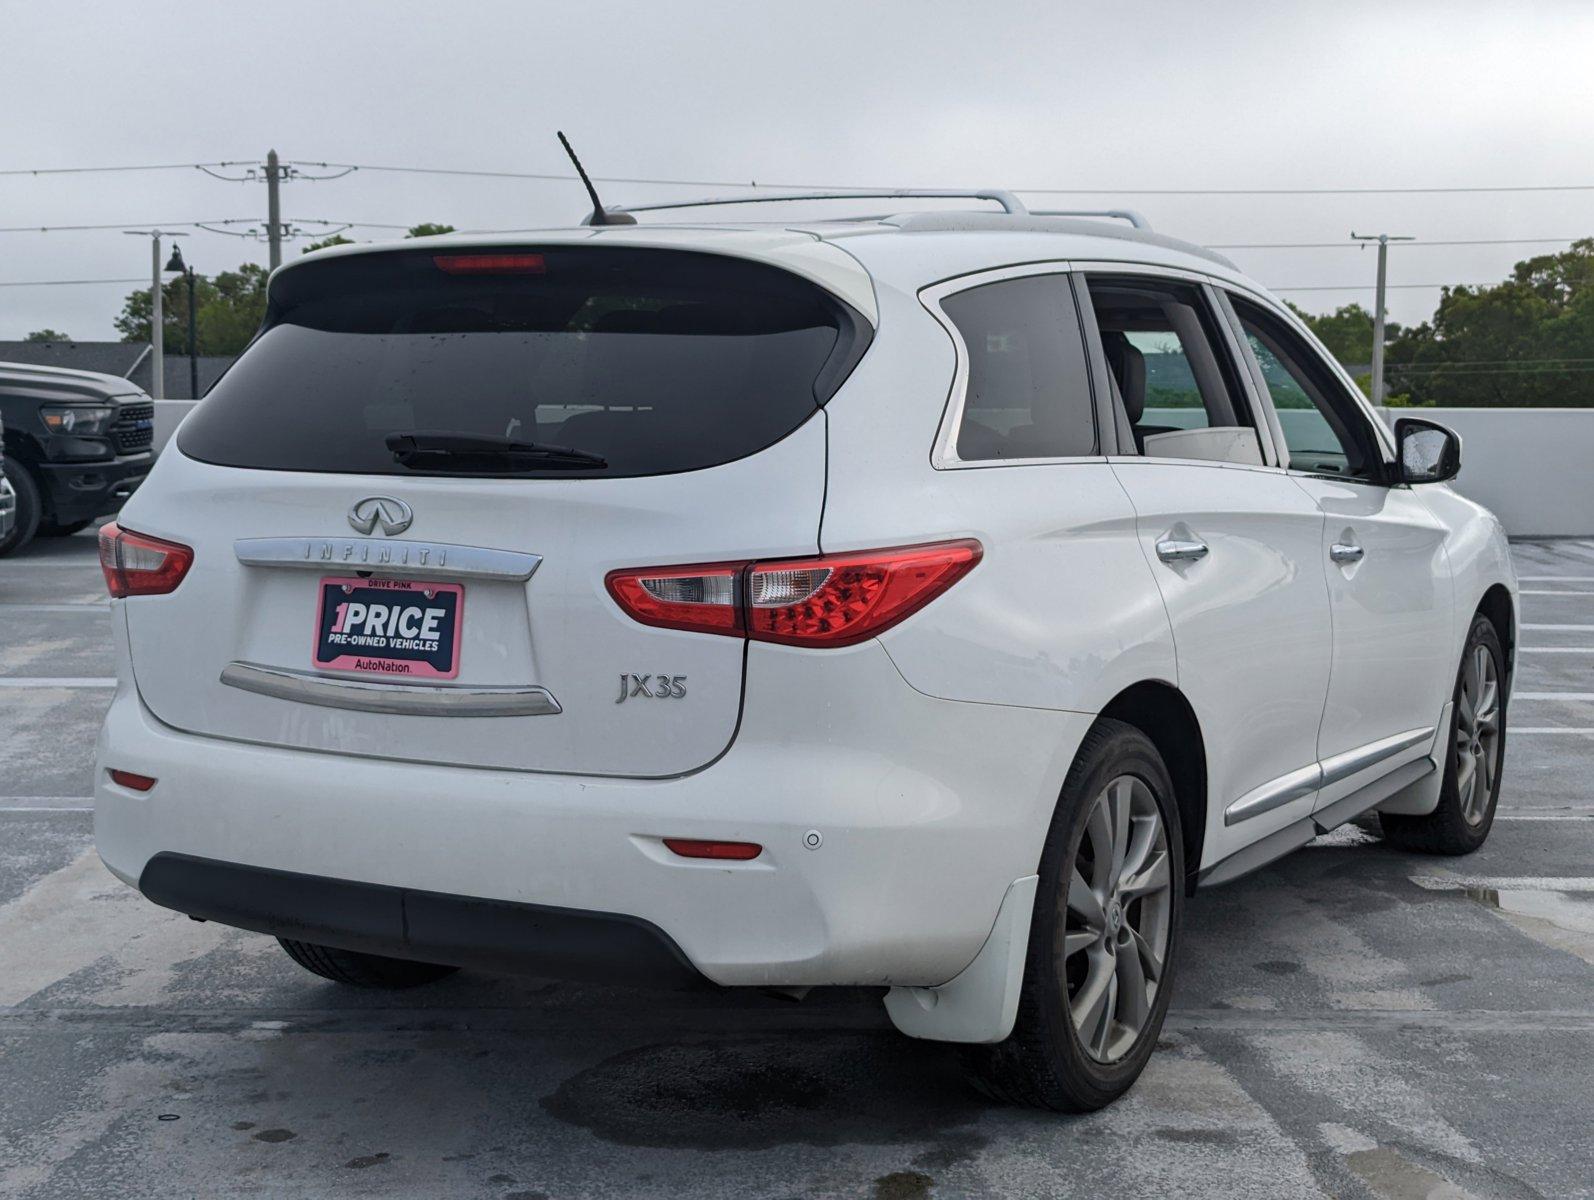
{"x":927,"y":810}
{"x":81,"y":491}
{"x":461,"y":931}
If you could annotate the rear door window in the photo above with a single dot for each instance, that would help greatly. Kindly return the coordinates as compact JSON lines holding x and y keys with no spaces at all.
{"x":1169,"y":372}
{"x":654,"y":361}
{"x":1028,"y":393}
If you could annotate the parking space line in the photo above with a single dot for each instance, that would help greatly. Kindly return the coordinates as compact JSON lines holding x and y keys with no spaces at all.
{"x":32,"y":681}
{"x":1536,"y":592}
{"x":1555,"y":578}
{"x":93,"y":606}
{"x":1552,"y":695}
{"x":1563,"y":628}
{"x":38,"y":809}
{"x":1547,"y":814}
{"x":1555,"y":649}
{"x":1505,"y":883}
{"x":1584,"y":729}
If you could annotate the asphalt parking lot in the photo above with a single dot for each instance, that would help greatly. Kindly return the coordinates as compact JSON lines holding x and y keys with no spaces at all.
{"x":1351,"y":1022}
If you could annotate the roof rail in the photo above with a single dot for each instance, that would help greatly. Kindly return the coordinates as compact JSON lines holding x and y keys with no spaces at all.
{"x":1122,"y":214}
{"x":1009,"y":202}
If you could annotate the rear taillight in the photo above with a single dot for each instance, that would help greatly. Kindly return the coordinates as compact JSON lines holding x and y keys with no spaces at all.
{"x":138,"y":565}
{"x":832,"y":600}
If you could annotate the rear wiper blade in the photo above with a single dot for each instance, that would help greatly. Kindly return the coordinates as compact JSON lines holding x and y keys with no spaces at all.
{"x":487,"y":449}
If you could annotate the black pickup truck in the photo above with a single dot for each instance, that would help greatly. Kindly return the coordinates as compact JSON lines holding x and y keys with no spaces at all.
{"x":76,"y":445}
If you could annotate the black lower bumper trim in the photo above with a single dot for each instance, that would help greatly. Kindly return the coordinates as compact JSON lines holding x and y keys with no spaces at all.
{"x":462,"y":931}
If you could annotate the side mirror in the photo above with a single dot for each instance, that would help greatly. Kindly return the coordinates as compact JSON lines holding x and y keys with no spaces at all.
{"x":1426,"y":452}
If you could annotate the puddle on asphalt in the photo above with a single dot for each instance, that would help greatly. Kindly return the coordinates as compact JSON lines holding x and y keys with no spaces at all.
{"x":1564,"y":920}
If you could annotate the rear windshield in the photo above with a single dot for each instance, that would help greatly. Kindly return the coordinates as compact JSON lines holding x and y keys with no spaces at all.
{"x":652,"y":360}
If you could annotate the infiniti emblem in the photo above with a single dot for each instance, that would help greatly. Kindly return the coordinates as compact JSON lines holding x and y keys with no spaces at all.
{"x":394,"y":516}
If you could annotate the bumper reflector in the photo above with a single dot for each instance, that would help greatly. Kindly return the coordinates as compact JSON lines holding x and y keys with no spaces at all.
{"x":693,"y":848}
{"x":139,"y":783}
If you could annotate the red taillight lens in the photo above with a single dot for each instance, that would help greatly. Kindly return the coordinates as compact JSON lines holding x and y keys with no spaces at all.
{"x":694,"y":848}
{"x":138,"y":565}
{"x":833,"y":600}
{"x":139,"y":783}
{"x":490,"y":264}
{"x":842,"y":599}
{"x":702,"y":599}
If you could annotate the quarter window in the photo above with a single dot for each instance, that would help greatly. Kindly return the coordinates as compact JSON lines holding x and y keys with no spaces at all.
{"x":1028,"y":392}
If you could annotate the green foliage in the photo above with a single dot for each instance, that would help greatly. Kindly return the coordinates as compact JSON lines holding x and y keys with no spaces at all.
{"x":1524,"y":343}
{"x":47,"y":335}
{"x":337,"y":239}
{"x":229,"y":308}
{"x":428,"y":229}
{"x":1347,"y":332}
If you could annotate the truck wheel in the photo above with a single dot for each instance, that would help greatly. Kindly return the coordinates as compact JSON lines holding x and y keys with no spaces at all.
{"x":30,"y":507}
{"x":1098,"y":973}
{"x":356,"y":969}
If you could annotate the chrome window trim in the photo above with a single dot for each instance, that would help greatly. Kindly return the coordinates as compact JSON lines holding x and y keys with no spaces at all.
{"x":943,"y":453}
{"x":389,"y":557}
{"x":357,"y":695}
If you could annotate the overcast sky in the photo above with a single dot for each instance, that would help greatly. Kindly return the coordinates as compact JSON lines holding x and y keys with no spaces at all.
{"x":1119,"y":95}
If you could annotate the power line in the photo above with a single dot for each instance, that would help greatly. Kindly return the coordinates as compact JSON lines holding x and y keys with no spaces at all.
{"x":137,"y":167}
{"x":1405,"y":245}
{"x":63,"y":282}
{"x":1367,"y":287}
{"x":1034,"y":191}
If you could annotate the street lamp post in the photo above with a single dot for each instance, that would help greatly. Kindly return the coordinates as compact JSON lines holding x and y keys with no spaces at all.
{"x":175,"y":263}
{"x":157,"y":317}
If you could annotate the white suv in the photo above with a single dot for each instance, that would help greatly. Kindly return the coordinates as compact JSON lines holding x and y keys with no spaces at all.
{"x":930,"y":602}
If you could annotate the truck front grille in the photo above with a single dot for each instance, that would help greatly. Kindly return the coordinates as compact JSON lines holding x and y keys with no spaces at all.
{"x":134,"y":429}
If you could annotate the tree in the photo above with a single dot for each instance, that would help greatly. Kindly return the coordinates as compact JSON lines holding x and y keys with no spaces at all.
{"x":229,"y":310}
{"x":1526,"y":342}
{"x":428,"y":229}
{"x":47,"y":335}
{"x":1347,"y":332}
{"x":337,"y":239}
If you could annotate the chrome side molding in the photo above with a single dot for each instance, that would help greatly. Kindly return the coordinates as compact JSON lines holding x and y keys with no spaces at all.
{"x":356,"y":695}
{"x":1297,"y":784}
{"x":1343,"y":766}
{"x":388,"y":556}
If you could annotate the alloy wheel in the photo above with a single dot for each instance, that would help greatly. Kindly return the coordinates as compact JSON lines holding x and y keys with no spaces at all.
{"x":1119,"y":908}
{"x":1477,"y":733}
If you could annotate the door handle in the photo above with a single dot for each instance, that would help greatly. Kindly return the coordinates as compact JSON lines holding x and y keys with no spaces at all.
{"x":1345,"y":552}
{"x":1172,"y":550}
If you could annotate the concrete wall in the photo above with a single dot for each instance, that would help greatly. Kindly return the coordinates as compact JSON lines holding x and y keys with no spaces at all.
{"x":1533,"y":466}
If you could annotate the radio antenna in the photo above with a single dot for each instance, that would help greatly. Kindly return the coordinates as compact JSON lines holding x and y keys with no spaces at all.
{"x":600,"y":215}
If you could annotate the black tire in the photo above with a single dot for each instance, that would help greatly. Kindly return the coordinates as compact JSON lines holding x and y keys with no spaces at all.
{"x":51,"y":529}
{"x":1043,"y":1063}
{"x":1451,"y":828}
{"x":30,"y":507}
{"x":356,"y":969}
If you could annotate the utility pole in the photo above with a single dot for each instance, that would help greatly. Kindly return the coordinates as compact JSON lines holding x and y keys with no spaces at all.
{"x":274,"y":208}
{"x":157,"y":315}
{"x":1383,"y":240}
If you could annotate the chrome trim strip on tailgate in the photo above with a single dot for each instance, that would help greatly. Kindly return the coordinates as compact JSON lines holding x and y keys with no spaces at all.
{"x":412,"y":560}
{"x":355,"y":694}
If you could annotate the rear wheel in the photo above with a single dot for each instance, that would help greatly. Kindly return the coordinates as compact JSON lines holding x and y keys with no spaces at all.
{"x":30,"y":507}
{"x":1097,"y":976}
{"x":357,"y":969}
{"x":51,"y":529}
{"x":1471,"y":787}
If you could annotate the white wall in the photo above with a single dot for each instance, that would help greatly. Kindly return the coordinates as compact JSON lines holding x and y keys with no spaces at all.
{"x":1533,"y":466}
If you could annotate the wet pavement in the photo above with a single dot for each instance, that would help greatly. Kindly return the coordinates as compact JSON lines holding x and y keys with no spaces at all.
{"x":1350,"y":1022}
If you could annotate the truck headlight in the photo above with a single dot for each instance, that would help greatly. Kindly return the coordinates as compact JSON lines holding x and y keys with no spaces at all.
{"x":85,"y":420}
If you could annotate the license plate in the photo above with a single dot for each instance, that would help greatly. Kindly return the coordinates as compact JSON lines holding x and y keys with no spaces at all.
{"x":392,"y":627}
